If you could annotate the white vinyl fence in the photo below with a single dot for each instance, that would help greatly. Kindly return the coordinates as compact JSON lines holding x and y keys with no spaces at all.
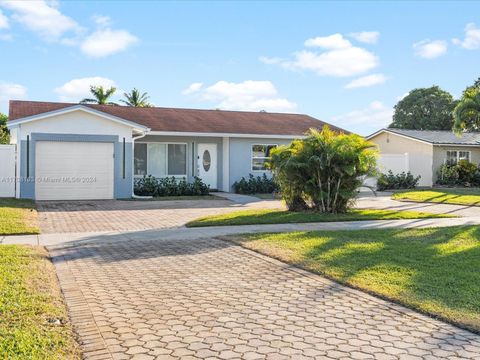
{"x":417,"y":164}
{"x":7,"y":170}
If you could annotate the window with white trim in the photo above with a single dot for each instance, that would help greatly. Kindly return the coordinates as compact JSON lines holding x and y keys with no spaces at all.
{"x":160,"y":159}
{"x":454,"y":156}
{"x":261,"y":155}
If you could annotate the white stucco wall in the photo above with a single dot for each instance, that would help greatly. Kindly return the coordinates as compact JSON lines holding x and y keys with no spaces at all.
{"x":76,"y":122}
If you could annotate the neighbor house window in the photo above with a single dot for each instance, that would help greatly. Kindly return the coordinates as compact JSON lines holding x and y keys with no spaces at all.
{"x":261,"y":155}
{"x":454,"y":156}
{"x":160,"y":159}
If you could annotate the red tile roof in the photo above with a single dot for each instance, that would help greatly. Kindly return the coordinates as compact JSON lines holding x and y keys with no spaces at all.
{"x":189,"y":120}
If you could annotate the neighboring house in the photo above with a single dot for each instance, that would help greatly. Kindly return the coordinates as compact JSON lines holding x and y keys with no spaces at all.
{"x":72,"y":151}
{"x":423,"y":152}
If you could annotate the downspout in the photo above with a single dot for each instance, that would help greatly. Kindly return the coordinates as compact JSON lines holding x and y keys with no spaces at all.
{"x":144,"y":133}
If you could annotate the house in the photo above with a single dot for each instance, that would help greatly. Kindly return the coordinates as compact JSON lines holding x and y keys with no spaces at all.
{"x":423,"y":152}
{"x":73,"y":151}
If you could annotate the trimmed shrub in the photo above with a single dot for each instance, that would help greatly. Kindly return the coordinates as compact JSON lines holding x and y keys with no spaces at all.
{"x":169,"y":186}
{"x":390,"y":181}
{"x":255,"y":185}
{"x":323,"y":171}
{"x":464,"y":173}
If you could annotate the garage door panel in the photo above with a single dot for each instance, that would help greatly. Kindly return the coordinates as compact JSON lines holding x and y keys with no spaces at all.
{"x":73,"y":170}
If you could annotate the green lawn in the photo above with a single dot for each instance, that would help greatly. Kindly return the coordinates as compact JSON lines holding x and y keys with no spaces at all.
{"x":274,"y":216}
{"x":445,"y":196}
{"x":30,"y":304}
{"x":436,"y":271}
{"x":18,"y":217}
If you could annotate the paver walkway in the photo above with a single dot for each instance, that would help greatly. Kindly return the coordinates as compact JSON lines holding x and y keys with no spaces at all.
{"x":118,"y":215}
{"x":191,"y":299}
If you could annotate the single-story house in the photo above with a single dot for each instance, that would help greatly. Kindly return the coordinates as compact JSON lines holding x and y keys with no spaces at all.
{"x":423,"y":152}
{"x":74,"y":151}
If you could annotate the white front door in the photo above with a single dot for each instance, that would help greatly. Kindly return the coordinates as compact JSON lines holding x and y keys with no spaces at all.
{"x":73,"y":170}
{"x":207,"y":164}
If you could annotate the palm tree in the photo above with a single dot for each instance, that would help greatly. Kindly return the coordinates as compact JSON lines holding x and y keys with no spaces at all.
{"x":467,"y":112}
{"x":100,"y":95}
{"x":136,"y":99}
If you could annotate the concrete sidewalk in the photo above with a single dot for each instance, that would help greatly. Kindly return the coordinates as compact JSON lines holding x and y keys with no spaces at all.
{"x":205,"y":232}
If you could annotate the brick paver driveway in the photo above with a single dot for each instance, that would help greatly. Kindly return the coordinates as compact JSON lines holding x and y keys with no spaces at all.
{"x":211,"y":299}
{"x":118,"y":215}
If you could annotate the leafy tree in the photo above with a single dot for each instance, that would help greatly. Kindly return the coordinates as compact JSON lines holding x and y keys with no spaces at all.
{"x":424,"y":109}
{"x":467,"y":111}
{"x":4,"y":133}
{"x":100,"y":96}
{"x":323,"y":171}
{"x":136,"y":99}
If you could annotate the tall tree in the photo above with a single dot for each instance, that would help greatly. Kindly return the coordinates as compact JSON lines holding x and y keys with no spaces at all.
{"x":4,"y":133}
{"x":136,"y":99}
{"x":424,"y":109}
{"x":100,"y":95}
{"x":467,"y":111}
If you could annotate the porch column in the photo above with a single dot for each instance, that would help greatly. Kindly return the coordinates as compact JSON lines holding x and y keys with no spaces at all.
{"x":226,"y":164}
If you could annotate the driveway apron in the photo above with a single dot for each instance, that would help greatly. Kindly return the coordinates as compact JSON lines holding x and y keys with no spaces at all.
{"x":207,"y":298}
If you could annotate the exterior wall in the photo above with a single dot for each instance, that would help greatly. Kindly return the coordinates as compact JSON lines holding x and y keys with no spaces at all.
{"x":440,"y":156}
{"x":192,"y":153}
{"x":420,"y":155}
{"x":241,"y":157}
{"x":74,"y":126}
{"x":76,"y":122}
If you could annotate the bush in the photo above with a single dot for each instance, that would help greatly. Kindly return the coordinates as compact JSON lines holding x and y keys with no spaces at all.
{"x":464,"y":173}
{"x":169,"y":186}
{"x":403,"y":180}
{"x":323,"y":171}
{"x":255,"y":185}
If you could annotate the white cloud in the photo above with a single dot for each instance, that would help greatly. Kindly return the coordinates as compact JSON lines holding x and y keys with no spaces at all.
{"x":340,"y":58}
{"x":106,"y":42}
{"x":9,"y":91}
{"x":192,"y":88}
{"x":366,"y":81}
{"x":270,"y":60}
{"x":428,"y":49}
{"x":77,"y":89}
{"x":42,"y":17}
{"x":3,"y":21}
{"x":472,"y":38}
{"x":335,"y":41}
{"x":102,"y":20}
{"x":248,"y":95}
{"x":369,"y":37}
{"x":376,"y":115}
{"x":339,"y":63}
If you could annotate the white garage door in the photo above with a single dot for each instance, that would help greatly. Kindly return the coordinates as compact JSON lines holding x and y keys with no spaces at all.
{"x":73,"y":170}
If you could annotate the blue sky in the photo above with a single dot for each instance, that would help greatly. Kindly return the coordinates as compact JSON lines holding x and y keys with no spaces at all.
{"x":346,"y":63}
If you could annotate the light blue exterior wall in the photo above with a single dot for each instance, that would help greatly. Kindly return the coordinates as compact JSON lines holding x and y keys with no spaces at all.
{"x":122,"y":185}
{"x":241,"y":157}
{"x":192,"y":153}
{"x":240,"y":154}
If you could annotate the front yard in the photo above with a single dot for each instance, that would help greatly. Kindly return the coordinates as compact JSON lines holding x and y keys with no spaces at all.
{"x":457,"y":196}
{"x":272,"y":216}
{"x":18,"y":217}
{"x":33,"y":317}
{"x":436,"y":271}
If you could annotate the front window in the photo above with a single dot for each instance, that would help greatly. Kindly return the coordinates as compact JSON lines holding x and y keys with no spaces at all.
{"x":160,"y":160}
{"x":261,"y":155}
{"x":454,"y":156}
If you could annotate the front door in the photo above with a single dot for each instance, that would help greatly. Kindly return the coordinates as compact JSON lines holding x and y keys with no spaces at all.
{"x":207,"y":164}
